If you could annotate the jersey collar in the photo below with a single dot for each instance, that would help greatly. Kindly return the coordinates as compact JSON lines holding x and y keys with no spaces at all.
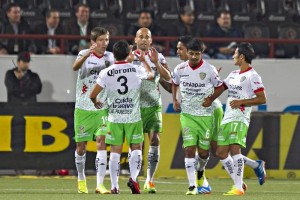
{"x":248,"y":69}
{"x":199,"y":65}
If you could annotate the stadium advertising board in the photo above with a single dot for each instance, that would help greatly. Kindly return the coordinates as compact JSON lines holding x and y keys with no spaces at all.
{"x":40,"y":136}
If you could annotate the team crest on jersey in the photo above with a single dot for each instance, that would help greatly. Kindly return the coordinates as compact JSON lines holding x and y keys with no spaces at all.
{"x":107,"y":63}
{"x":243,"y":78}
{"x":202,"y":75}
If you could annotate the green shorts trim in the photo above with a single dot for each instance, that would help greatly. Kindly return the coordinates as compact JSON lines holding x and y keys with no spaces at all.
{"x":133,"y":132}
{"x":152,"y":119}
{"x":233,"y":133}
{"x":88,"y":124}
{"x":217,"y":119}
{"x":196,"y":130}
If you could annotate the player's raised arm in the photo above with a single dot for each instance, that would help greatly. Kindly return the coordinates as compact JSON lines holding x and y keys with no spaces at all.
{"x":164,"y":72}
{"x":78,"y":62}
{"x":146,"y":66}
{"x":93,"y":96}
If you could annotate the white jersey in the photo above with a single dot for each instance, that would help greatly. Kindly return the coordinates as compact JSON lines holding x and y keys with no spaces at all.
{"x":87,"y":76}
{"x":216,"y":104}
{"x":122,"y":81}
{"x":241,"y":86}
{"x":150,"y":94}
{"x":195,"y":85}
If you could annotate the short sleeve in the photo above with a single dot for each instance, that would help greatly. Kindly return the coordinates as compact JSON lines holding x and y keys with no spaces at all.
{"x":256,"y":83}
{"x":216,"y":81}
{"x":101,"y":79}
{"x":162,"y":59}
{"x":175,"y":77}
{"x":226,"y":80}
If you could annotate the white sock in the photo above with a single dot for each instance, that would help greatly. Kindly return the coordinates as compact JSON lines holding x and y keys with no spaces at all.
{"x":190,"y":167}
{"x":101,"y":164}
{"x":114,"y":169}
{"x":135,"y":164}
{"x":238,"y":170}
{"x":251,"y":163}
{"x":229,"y":165}
{"x":153,"y":159}
{"x":129,"y":157}
{"x":202,"y":163}
{"x":80,"y":165}
{"x":197,"y":158}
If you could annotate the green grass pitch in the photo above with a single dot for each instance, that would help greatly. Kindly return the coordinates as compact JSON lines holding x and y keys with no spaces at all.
{"x":48,"y":188}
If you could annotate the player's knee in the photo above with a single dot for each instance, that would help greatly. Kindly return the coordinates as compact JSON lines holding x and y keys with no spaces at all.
{"x":221,"y":154}
{"x":155,"y":140}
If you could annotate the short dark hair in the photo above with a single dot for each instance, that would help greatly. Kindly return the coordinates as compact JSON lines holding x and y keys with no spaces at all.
{"x":247,"y":50}
{"x":185,"y":39}
{"x":81,"y":5}
{"x":97,"y":31}
{"x":48,"y":12}
{"x":146,"y":11}
{"x":222,"y":11}
{"x":9,"y":6}
{"x":194,"y":45}
{"x":121,"y":50}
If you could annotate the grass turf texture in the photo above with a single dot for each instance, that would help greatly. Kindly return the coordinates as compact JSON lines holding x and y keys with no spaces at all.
{"x":48,"y":188}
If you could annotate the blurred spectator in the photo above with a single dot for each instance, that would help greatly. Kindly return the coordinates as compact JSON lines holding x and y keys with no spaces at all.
{"x":145,"y":20}
{"x":21,"y":83}
{"x":50,"y":27}
{"x":223,"y":29}
{"x":185,"y":25}
{"x":13,"y":23}
{"x":82,"y":25}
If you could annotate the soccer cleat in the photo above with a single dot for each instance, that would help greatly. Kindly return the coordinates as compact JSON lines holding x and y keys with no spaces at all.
{"x":192,"y":191}
{"x":134,"y":186}
{"x":149,"y":188}
{"x":244,"y":186}
{"x":234,"y":192}
{"x":204,"y":190}
{"x":114,"y":191}
{"x":101,"y":189}
{"x":260,"y":172}
{"x":82,"y":189}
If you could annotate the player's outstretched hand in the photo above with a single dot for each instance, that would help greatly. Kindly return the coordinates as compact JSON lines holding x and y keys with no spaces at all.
{"x":176,"y":106}
{"x":98,"y":105}
{"x":142,"y":57}
{"x":207,"y":102}
{"x":154,"y":55}
{"x":130,"y":57}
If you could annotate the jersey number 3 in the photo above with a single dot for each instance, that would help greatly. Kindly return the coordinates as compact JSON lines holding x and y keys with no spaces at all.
{"x":123,"y":81}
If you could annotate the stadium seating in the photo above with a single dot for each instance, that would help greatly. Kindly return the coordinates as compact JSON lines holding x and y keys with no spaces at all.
{"x":257,"y":30}
{"x":288,"y":31}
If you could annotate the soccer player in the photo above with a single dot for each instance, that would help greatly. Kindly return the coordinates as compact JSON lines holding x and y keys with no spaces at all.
{"x":197,"y":80}
{"x":151,"y":104}
{"x":202,"y":183}
{"x":257,"y":166}
{"x":245,"y":89}
{"x":89,"y":121}
{"x":122,"y":81}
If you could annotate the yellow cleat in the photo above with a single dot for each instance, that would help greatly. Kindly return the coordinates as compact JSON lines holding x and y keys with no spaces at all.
{"x":149,"y":188}
{"x":102,"y":190}
{"x":192,"y":191}
{"x":234,"y":192}
{"x":82,"y":189}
